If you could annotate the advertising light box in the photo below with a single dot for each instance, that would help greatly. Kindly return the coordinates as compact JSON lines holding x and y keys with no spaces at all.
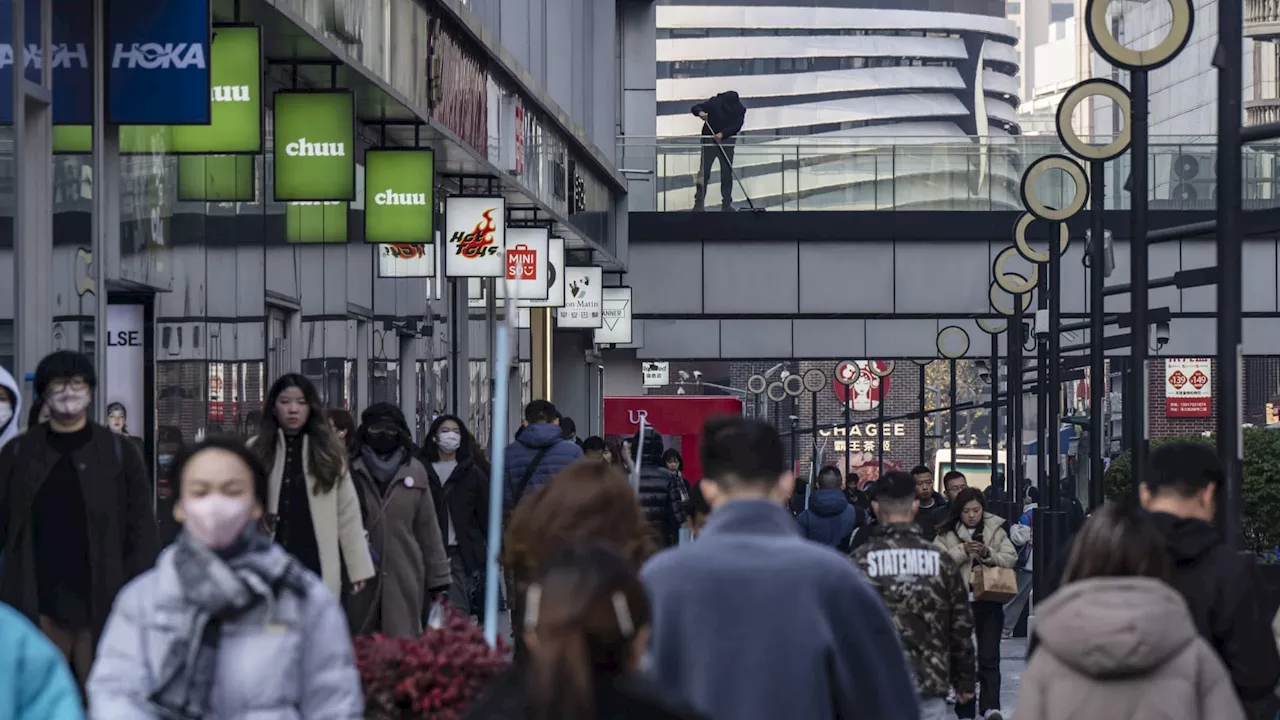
{"x":316,"y":222}
{"x":475,"y":237}
{"x":554,"y":277}
{"x":582,"y":298}
{"x":407,"y":260}
{"x":527,"y":266}
{"x":314,"y":149}
{"x":72,"y":22}
{"x":216,"y":178}
{"x":159,"y":62}
{"x":398,"y":200}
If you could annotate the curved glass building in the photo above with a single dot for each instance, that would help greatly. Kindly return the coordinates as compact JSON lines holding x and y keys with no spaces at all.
{"x":852,"y":104}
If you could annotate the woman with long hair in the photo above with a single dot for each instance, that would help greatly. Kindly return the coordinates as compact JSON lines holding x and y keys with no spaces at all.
{"x":461,"y":491}
{"x":397,"y":499}
{"x":587,"y":625}
{"x":1116,"y":641}
{"x":227,"y":624}
{"x":586,"y":502}
{"x":313,"y":510}
{"x":974,"y":537}
{"x":343,"y":425}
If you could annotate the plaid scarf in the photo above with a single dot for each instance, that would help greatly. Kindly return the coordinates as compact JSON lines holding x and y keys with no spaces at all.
{"x":217,"y":588}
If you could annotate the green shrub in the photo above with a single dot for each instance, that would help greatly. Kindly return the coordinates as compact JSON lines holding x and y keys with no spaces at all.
{"x":1261,"y":483}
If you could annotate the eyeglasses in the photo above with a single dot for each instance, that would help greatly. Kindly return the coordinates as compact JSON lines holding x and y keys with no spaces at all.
{"x":75,"y":383}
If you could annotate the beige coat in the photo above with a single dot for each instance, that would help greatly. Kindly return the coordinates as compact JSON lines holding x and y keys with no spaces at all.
{"x":1000,"y":550}
{"x":336,"y":516}
{"x":404,"y":533}
{"x":1123,"y":649}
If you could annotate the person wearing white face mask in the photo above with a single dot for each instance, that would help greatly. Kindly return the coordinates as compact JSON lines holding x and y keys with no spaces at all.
{"x":227,"y":624}
{"x":460,"y":484}
{"x":76,"y":519}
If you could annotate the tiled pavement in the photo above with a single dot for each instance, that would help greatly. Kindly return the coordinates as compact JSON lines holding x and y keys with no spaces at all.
{"x":1013,"y":663}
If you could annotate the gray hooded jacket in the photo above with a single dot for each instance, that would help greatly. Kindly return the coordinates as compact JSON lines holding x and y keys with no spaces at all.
{"x":1123,"y":649}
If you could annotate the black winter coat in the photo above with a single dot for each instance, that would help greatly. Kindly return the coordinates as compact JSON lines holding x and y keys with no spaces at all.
{"x":662,"y":502}
{"x":623,"y":699}
{"x":465,"y":500}
{"x":931,"y":517}
{"x":1219,"y":588}
{"x":117,"y":496}
{"x":725,"y":114}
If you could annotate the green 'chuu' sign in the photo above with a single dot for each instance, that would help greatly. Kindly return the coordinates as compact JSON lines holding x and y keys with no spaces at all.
{"x":314,"y":145}
{"x":397,"y":196}
{"x":236,"y":123}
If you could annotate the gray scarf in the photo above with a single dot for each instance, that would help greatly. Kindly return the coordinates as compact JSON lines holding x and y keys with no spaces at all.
{"x":216,"y":588}
{"x":382,"y":469}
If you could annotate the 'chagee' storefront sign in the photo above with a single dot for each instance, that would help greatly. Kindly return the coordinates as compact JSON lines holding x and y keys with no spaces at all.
{"x":313,"y":158}
{"x":863,"y":437}
{"x":398,"y":196}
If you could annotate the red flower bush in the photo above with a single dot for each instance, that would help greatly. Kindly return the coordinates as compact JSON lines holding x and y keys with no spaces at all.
{"x":432,"y":677}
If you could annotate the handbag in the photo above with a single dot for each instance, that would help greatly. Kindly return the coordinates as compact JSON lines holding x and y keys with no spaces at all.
{"x":994,"y":584}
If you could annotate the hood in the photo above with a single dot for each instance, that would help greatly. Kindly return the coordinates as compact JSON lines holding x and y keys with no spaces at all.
{"x":828,"y":502}
{"x":731,"y":94}
{"x":10,"y":431}
{"x":1115,"y":627}
{"x":540,"y":435}
{"x":652,"y":450}
{"x":1188,"y":539}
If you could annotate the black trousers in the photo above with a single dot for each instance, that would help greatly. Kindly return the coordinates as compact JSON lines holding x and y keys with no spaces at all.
{"x":988,"y":621}
{"x":710,"y":153}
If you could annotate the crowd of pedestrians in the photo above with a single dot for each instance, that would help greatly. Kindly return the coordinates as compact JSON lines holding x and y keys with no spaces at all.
{"x":633,"y":592}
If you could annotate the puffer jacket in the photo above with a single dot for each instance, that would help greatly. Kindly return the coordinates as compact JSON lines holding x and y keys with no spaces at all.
{"x":1123,"y":649}
{"x":661,"y":500}
{"x":1000,"y":550}
{"x":519,"y":454}
{"x":830,"y":519}
{"x":287,"y":660}
{"x":35,"y":682}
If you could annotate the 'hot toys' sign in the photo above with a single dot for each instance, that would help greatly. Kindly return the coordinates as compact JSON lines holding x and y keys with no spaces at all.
{"x":475,"y":237}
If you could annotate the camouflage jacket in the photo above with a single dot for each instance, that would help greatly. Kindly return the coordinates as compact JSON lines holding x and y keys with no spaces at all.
{"x":929,"y":603}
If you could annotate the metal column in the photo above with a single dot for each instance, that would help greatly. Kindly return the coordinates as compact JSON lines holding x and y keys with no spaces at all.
{"x":1136,"y":426}
{"x":540,"y":348}
{"x":459,"y":349}
{"x":994,"y":369}
{"x":1230,"y":375}
{"x":1097,"y":371}
{"x":952,"y":417}
{"x":409,"y":346}
{"x":1013,"y":451}
{"x":106,"y":203}
{"x":33,"y":199}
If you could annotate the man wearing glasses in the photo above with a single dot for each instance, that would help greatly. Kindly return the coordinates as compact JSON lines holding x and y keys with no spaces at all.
{"x":76,"y":521}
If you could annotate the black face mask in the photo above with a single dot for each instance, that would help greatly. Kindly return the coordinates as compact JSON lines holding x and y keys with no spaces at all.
{"x":383,"y":443}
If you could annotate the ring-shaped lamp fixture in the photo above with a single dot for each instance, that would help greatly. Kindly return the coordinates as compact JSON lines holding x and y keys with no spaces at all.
{"x":1029,"y":253}
{"x":1097,"y":25}
{"x":756,"y":384}
{"x":953,"y":334}
{"x":1001,"y":304}
{"x":875,"y":370}
{"x":814,"y":380}
{"x":1013,"y":283}
{"x":922,"y":362}
{"x":992,"y":326}
{"x":793,"y":388}
{"x":1043,"y":165}
{"x":776,"y":392}
{"x":1067,"y":132}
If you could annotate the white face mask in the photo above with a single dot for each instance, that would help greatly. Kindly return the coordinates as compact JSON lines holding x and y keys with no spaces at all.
{"x":216,"y":520}
{"x":449,"y":441}
{"x":6,"y":414}
{"x":69,"y":403}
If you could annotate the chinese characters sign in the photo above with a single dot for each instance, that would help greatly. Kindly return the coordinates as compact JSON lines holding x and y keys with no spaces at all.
{"x":1188,"y":387}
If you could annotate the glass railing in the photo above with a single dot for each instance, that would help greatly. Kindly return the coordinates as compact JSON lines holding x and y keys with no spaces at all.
{"x":924,"y":173}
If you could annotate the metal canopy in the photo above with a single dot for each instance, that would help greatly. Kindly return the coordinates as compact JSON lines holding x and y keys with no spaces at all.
{"x":292,"y":50}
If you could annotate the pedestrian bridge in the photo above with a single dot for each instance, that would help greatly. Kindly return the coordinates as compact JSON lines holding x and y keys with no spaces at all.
{"x":869,"y":247}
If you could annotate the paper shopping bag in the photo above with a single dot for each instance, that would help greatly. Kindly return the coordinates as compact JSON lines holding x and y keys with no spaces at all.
{"x":994,"y":584}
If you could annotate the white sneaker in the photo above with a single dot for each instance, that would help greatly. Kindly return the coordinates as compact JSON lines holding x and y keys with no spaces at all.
{"x":993,"y":715}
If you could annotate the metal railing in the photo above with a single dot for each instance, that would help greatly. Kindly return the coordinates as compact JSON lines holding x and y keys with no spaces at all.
{"x":920,"y":173}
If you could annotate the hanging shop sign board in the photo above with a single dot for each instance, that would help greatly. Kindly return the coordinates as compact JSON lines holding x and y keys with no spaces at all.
{"x":527,"y":268}
{"x":582,"y":298}
{"x":553,"y":277}
{"x":159,"y":54}
{"x":656,"y":374}
{"x":72,"y":22}
{"x":314,"y":153}
{"x":1188,"y":387}
{"x":615,"y":315}
{"x":407,"y":260}
{"x":398,"y":201}
{"x":216,"y":178}
{"x":316,"y":222}
{"x":126,"y":367}
{"x":475,"y":237}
